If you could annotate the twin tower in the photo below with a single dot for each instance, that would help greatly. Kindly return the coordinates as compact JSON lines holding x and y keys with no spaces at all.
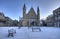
{"x":31,"y":18}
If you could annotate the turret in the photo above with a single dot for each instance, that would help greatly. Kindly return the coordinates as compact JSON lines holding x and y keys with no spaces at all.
{"x":24,"y":10}
{"x":38,"y":13}
{"x":38,"y":16}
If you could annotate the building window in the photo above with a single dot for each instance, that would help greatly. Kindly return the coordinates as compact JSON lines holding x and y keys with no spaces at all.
{"x":59,"y":12}
{"x":55,"y":13}
{"x":55,"y":18}
{"x":59,"y":17}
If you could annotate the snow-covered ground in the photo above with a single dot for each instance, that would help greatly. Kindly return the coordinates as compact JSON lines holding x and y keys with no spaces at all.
{"x":26,"y":33}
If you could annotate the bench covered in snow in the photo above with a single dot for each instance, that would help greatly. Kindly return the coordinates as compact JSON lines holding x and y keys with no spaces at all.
{"x":36,"y":29}
{"x":11,"y":32}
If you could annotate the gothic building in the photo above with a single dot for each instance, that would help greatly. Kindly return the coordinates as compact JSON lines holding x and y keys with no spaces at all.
{"x":31,"y":18}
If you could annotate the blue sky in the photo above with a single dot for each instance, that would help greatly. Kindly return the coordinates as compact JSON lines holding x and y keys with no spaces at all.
{"x":13,"y":8}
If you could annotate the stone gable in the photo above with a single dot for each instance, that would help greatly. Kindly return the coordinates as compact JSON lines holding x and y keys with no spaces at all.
{"x":31,"y":14}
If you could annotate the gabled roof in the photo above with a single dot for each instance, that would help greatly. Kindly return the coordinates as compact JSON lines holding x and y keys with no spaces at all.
{"x":31,"y":14}
{"x":32,"y":10}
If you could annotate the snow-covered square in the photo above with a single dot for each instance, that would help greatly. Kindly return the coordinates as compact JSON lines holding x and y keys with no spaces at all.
{"x":26,"y":33}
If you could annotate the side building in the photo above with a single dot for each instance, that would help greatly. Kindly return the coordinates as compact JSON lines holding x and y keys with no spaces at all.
{"x":56,"y":15}
{"x":49,"y":20}
{"x":2,"y":19}
{"x":6,"y":21}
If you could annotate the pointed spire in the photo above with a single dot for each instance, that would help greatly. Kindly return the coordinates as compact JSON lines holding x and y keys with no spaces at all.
{"x":24,"y":11}
{"x":38,"y":16}
{"x":38,"y":12}
{"x":37,"y":8}
{"x":24,"y":6}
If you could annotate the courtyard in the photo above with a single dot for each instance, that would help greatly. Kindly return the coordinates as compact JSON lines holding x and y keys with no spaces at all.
{"x":26,"y":33}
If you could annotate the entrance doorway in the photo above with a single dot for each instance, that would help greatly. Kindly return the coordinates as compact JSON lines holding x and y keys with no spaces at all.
{"x":32,"y":23}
